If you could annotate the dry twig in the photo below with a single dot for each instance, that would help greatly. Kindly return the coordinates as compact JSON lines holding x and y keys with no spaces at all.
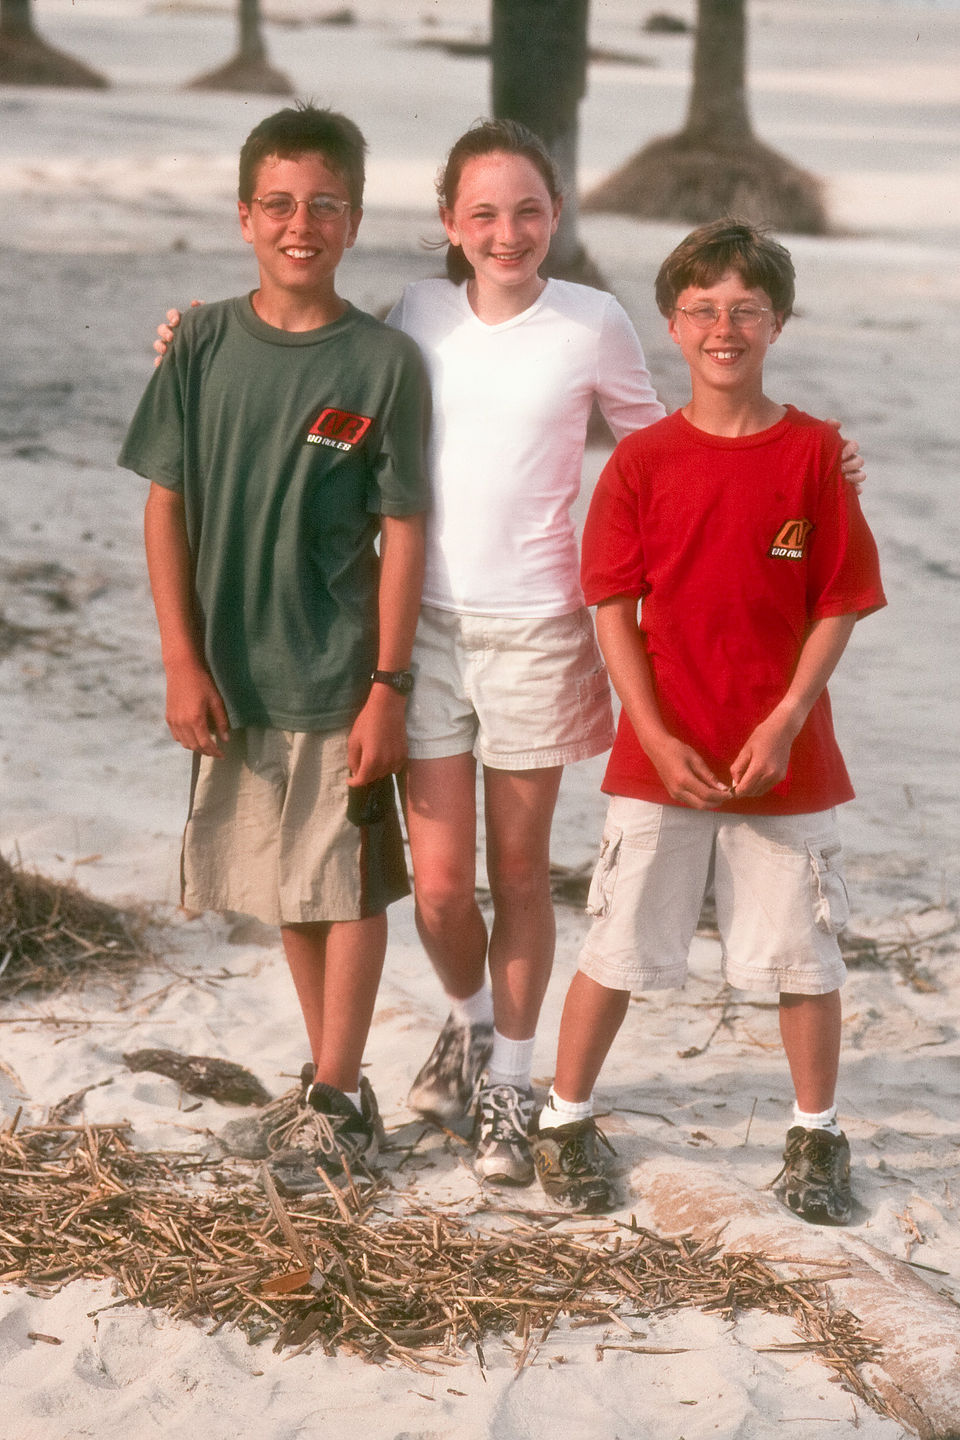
{"x":52,"y":934}
{"x":210,"y":1244}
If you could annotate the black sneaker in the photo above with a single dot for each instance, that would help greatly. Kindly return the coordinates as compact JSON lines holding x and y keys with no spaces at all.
{"x":328,"y":1134}
{"x":445,"y":1087}
{"x":569,"y":1167}
{"x":502,"y":1151}
{"x":815,"y":1179}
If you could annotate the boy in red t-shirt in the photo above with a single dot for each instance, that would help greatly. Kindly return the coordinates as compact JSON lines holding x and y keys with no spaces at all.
{"x":731,"y":525}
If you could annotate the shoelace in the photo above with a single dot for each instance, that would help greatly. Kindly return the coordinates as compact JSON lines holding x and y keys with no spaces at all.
{"x":573,"y":1150}
{"x":808,"y":1146}
{"x":508,"y":1113}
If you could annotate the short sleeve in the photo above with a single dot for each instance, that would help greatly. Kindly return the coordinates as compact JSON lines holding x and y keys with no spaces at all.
{"x":844,"y":573}
{"x":612,"y":554}
{"x":624,"y":389}
{"x":154,"y":443}
{"x":402,"y":485}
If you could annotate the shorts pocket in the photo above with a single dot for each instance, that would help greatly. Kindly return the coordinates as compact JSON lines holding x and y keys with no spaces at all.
{"x":831,"y":902}
{"x":600,"y":895}
{"x":593,"y":703}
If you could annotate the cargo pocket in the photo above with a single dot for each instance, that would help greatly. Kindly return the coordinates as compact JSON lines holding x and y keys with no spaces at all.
{"x":604,"y":878}
{"x":831,"y":903}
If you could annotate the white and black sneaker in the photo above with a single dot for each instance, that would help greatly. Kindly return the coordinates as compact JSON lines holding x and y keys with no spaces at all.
{"x":503,"y":1118}
{"x":329,"y":1134}
{"x":446,"y":1084}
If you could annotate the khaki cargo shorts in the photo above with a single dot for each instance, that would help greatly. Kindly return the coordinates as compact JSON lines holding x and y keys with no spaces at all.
{"x":268,"y":833}
{"x":780,"y":894}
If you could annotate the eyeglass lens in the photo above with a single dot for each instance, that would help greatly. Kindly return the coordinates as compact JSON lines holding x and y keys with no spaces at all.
{"x":739,"y":315}
{"x":281,"y":206}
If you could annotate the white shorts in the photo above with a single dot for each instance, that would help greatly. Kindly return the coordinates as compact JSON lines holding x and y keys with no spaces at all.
{"x":781,"y":898}
{"x":268,"y":833}
{"x":520,"y":694}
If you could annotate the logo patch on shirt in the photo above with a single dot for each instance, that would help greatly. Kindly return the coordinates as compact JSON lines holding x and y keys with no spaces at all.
{"x":338,"y":429}
{"x":790,"y":541}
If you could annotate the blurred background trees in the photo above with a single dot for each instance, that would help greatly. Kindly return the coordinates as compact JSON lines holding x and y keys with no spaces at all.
{"x":715,"y":165}
{"x":27,"y":59}
{"x":249,"y":71}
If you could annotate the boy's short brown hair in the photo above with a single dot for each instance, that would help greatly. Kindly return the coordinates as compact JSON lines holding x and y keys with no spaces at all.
{"x":711,"y":250}
{"x":303,"y":130}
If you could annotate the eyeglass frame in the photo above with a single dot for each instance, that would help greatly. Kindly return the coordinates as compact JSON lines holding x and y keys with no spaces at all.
{"x":719,"y":309}
{"x":338,"y":207}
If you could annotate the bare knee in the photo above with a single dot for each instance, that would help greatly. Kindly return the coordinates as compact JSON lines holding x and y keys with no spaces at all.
{"x":444,"y":896}
{"x":519,"y":881}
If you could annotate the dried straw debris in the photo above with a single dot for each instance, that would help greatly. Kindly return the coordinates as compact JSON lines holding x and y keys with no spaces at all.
{"x":351,"y":1274}
{"x":52,"y":934}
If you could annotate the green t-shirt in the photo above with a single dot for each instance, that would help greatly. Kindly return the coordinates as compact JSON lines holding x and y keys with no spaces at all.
{"x":287,"y":448}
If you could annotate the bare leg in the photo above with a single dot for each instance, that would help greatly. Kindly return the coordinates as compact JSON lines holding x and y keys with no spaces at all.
{"x":519,"y":812}
{"x":592,"y":1015}
{"x":810,"y":1029}
{"x":336,"y":970}
{"x":442,"y":826}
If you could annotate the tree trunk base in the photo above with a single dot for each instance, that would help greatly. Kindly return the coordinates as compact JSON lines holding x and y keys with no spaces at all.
{"x":679,"y":178}
{"x":245,"y":76}
{"x":28,"y":60}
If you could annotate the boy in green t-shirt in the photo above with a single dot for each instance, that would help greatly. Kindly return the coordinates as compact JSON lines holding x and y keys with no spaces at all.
{"x":282,"y":434}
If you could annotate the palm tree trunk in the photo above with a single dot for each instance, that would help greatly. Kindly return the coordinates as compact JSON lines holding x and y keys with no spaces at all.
{"x":716,"y":165}
{"x":718,"y":110}
{"x":15,"y":18}
{"x":252,"y":47}
{"x":27,"y":59}
{"x":248,"y":70}
{"x":539,"y":52}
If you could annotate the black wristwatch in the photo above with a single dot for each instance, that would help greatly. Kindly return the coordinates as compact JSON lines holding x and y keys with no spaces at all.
{"x":399,"y":680}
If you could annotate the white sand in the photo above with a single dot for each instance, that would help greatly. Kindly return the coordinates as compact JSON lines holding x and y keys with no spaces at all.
{"x":119,"y":203}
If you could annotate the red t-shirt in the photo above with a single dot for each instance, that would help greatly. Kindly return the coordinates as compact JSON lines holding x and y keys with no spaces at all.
{"x":734,"y":546}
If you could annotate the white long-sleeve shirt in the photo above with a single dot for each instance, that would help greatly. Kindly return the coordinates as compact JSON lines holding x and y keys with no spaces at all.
{"x":511,"y":404}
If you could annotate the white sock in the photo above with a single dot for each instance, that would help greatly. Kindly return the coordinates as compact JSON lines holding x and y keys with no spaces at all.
{"x":511,"y":1062}
{"x":475,"y":1010}
{"x":352,"y":1095}
{"x":563,"y":1112}
{"x":825,"y":1120}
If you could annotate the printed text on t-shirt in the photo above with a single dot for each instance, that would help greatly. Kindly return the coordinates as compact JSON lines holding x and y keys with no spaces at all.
{"x":338,"y":429}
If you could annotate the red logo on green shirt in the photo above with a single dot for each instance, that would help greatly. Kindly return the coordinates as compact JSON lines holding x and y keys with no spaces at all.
{"x":338,"y":429}
{"x":790,"y":540}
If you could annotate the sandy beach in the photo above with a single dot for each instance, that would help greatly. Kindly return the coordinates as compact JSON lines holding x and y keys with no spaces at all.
{"x":120,"y":203}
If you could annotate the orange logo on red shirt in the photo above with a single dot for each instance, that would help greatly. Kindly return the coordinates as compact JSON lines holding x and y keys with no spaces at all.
{"x":338,"y":429}
{"x":790,"y":540}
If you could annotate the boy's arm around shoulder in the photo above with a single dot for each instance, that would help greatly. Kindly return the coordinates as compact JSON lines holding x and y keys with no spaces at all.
{"x":195,"y":711}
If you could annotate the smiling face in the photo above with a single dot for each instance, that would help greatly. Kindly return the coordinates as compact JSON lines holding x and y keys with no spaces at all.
{"x":503,"y":218}
{"x":298,"y":256}
{"x":726,"y":356}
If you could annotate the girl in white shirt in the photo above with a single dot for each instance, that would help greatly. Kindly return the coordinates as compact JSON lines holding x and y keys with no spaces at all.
{"x":507,"y":670}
